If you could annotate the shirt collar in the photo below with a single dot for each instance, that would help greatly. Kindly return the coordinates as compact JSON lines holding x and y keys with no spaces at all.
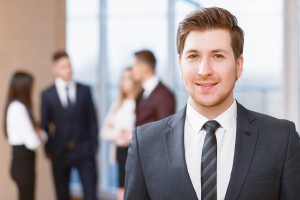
{"x":60,"y":83}
{"x":226,"y":119}
{"x":150,"y":84}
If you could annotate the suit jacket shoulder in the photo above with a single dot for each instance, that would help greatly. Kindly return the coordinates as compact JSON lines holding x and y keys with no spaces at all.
{"x":162,"y":123}
{"x":81,"y":85}
{"x":266,"y":160}
{"x":159,"y":104}
{"x":48,"y":90}
{"x":164,"y":88}
{"x":264,"y":122}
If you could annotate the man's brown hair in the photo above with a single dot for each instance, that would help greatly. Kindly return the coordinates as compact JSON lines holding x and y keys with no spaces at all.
{"x":146,"y":56}
{"x":59,"y":54}
{"x":211,"y":18}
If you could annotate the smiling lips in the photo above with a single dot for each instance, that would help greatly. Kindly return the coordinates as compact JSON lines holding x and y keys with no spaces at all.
{"x":206,"y":86}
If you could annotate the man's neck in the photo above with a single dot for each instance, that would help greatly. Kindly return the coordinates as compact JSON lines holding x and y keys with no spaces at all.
{"x":212,"y":112}
{"x":66,"y":82}
{"x":147,"y":78}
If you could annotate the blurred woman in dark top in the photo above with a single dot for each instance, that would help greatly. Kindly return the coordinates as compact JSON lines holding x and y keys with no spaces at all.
{"x":23,"y":134}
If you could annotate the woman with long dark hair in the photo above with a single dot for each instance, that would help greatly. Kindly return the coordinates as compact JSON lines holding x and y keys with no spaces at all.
{"x":23,"y":133}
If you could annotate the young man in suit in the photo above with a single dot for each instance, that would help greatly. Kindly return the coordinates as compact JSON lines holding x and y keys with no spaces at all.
{"x":156,"y":101}
{"x":69,"y":118}
{"x":214,"y":148}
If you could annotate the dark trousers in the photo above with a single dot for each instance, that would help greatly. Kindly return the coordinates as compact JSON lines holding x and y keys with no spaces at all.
{"x":121,"y":159}
{"x":87,"y":172}
{"x":23,"y":171}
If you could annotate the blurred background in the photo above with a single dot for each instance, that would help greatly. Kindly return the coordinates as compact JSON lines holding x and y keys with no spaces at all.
{"x":101,"y":37}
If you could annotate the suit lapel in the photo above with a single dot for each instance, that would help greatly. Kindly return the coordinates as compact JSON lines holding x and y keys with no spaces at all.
{"x":174,"y":143}
{"x":56,"y":97}
{"x":246,"y":137}
{"x":78,"y":95}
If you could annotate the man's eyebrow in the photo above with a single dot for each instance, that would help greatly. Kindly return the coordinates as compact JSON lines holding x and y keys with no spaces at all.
{"x":191,"y":51}
{"x":213,"y":51}
{"x":219,"y":50}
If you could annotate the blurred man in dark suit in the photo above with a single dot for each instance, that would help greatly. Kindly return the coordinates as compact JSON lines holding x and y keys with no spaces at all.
{"x":156,"y":101}
{"x":69,"y":118}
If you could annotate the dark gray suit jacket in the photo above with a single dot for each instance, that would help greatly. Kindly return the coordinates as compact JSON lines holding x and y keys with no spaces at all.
{"x":266,"y":161}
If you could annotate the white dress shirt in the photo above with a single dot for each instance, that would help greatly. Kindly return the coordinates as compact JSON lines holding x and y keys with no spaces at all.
{"x":20,"y":129}
{"x":61,"y":86}
{"x":194,"y":136}
{"x":149,"y":85}
{"x":118,"y":119}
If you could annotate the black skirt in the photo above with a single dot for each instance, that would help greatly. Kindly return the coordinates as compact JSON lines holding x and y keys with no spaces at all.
{"x":23,"y":171}
{"x":121,"y":159}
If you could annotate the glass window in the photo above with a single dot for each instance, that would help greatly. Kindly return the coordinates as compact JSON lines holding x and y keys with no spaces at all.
{"x":83,"y":46}
{"x":142,"y":26}
{"x":129,"y":29}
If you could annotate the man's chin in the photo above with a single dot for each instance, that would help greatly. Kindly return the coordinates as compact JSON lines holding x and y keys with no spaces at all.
{"x":68,"y":79}
{"x":207,"y":101}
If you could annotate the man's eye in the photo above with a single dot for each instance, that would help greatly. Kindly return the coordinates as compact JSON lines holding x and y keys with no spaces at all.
{"x":193,"y":56}
{"x":218,"y":56}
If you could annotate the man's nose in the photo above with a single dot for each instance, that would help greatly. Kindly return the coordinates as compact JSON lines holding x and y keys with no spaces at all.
{"x":204,"y":67}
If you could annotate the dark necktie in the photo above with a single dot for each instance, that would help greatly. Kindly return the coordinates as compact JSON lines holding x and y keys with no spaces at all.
{"x":209,"y":162}
{"x":68,"y":97}
{"x":140,"y":96}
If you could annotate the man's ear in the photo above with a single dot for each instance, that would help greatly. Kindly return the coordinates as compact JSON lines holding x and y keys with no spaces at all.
{"x":179,"y":63}
{"x":239,"y":66}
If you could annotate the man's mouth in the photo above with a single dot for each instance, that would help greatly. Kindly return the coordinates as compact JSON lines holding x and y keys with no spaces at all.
{"x":206,"y":86}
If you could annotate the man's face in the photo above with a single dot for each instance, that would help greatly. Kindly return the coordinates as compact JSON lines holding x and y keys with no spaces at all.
{"x":62,"y":68}
{"x":209,"y":68}
{"x":138,"y":70}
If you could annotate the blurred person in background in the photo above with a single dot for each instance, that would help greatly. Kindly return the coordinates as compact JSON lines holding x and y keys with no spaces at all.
{"x":23,"y":133}
{"x":155,"y":100}
{"x":69,"y":118}
{"x":119,"y":123}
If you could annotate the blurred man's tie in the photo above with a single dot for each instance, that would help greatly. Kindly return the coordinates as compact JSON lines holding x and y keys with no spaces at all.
{"x":69,"y":106}
{"x":140,"y":95}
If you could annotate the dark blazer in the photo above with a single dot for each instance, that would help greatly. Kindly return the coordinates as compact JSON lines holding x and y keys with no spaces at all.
{"x":62,"y":125}
{"x":266,"y":160}
{"x":159,"y":104}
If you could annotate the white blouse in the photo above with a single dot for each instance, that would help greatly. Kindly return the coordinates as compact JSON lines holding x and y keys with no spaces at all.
{"x":20,"y":129}
{"x":118,"y":119}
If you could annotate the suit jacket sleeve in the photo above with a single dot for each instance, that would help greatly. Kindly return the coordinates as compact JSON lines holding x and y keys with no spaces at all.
{"x":92,"y":120}
{"x":135,"y":186}
{"x":290,"y":184}
{"x":45,"y":119}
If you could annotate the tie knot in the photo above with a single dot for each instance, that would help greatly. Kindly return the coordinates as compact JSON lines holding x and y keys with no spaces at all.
{"x":211,"y":126}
